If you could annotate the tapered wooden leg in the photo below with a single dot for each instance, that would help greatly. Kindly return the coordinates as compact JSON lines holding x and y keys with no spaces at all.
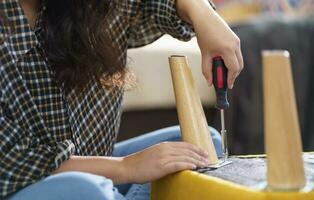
{"x":285,"y":170}
{"x":193,"y":123}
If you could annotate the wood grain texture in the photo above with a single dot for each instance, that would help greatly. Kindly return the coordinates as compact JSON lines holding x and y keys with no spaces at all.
{"x":193,"y":124}
{"x":285,"y":168}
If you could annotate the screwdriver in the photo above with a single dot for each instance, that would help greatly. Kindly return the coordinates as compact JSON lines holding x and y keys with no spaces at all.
{"x":220,"y":83}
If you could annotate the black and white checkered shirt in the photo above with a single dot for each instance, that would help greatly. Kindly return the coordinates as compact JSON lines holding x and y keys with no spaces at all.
{"x":40,"y":124}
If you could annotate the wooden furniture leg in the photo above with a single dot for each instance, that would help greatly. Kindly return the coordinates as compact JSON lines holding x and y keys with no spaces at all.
{"x":193,"y":124}
{"x":285,"y":170}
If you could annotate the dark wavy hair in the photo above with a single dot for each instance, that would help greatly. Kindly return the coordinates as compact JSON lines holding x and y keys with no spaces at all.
{"x":77,"y":43}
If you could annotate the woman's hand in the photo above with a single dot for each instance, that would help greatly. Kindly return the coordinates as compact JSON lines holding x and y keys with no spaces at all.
{"x":162,"y":159}
{"x":144,"y":166}
{"x":214,"y":37}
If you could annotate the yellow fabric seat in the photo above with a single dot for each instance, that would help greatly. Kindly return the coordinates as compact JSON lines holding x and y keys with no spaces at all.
{"x":191,"y":185}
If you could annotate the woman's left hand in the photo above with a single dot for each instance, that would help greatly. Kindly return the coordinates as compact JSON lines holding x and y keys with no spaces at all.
{"x":214,"y":36}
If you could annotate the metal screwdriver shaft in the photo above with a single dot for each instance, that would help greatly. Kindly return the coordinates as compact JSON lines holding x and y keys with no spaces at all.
{"x":223,"y":132}
{"x":220,"y":83}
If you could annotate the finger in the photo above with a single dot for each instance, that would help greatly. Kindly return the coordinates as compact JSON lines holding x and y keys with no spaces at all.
{"x":207,"y":67}
{"x":188,"y":153}
{"x":188,"y":159}
{"x":178,"y":166}
{"x":232,"y":64}
{"x":193,"y":148}
{"x":240,"y":58}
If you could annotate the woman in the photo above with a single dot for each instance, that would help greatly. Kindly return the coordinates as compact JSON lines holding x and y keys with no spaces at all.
{"x":62,"y":75}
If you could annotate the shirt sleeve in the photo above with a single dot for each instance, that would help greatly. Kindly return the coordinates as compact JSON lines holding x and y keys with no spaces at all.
{"x":150,"y":19}
{"x":22,"y":162}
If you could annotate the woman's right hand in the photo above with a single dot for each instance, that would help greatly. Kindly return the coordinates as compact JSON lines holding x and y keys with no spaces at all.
{"x":163,"y":159}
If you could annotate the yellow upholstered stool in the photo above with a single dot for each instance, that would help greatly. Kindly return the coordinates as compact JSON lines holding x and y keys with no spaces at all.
{"x":192,"y":185}
{"x":245,"y":178}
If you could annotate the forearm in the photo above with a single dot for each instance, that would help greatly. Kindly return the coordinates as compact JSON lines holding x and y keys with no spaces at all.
{"x":191,"y":11}
{"x":214,"y":37}
{"x":109,"y":167}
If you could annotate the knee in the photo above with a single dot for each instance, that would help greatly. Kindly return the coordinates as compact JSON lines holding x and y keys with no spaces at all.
{"x":172,"y":133}
{"x":215,"y":135}
{"x":216,"y":140}
{"x":79,"y":185}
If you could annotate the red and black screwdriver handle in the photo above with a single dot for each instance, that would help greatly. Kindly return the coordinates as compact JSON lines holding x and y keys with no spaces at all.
{"x":220,"y":72}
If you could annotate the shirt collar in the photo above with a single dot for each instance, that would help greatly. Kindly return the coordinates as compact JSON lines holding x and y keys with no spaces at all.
{"x":17,"y":36}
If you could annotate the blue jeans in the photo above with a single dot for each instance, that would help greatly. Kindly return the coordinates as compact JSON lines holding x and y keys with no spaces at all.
{"x":85,"y":186}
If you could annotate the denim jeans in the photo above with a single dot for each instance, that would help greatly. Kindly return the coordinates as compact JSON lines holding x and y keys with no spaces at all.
{"x":86,"y":186}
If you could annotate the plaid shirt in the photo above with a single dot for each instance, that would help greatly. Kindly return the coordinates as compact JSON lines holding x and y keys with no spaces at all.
{"x":40,"y":124}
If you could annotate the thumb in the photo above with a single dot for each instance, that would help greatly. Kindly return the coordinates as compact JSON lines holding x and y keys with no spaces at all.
{"x":207,"y":68}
